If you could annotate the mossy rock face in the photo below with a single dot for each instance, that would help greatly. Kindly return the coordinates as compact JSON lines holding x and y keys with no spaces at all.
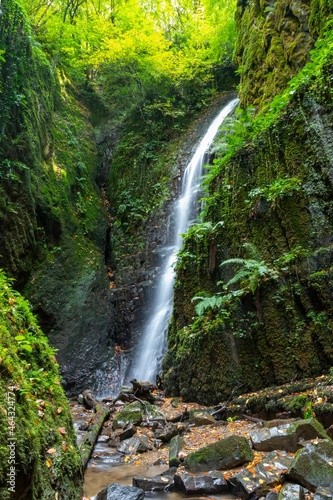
{"x":224,"y":454}
{"x":272,"y":53}
{"x":41,"y":442}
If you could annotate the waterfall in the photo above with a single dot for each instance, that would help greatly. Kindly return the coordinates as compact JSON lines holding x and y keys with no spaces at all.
{"x":148,"y":356}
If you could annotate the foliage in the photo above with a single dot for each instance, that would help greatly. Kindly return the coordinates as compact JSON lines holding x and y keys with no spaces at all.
{"x":252,"y":270}
{"x":30,"y":373}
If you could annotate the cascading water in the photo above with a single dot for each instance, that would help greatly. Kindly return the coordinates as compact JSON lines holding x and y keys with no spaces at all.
{"x":151,"y":347}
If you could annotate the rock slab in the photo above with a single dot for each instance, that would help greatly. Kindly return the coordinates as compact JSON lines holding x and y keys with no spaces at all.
{"x":224,"y":454}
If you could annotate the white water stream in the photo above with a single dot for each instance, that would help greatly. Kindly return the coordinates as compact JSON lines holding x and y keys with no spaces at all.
{"x":151,"y":347}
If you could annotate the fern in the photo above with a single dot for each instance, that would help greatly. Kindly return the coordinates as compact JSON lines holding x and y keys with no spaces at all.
{"x":252,"y":271}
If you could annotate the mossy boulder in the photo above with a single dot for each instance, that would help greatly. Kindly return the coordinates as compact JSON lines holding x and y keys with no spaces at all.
{"x":134,"y":413}
{"x":312,"y":466}
{"x":287,"y":437}
{"x":224,"y":454}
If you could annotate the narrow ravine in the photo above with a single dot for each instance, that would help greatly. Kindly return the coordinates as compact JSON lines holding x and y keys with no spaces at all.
{"x":146,"y":362}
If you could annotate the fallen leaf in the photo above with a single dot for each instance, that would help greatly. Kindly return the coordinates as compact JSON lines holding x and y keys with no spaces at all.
{"x":62,"y":430}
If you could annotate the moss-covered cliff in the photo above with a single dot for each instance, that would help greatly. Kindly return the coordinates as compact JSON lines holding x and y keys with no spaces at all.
{"x":269,"y":206}
{"x":273,"y":43}
{"x":54,"y":219}
{"x":39,"y":458}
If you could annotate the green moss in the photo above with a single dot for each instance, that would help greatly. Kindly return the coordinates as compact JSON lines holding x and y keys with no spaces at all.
{"x":30,"y":383}
{"x":223,"y":454}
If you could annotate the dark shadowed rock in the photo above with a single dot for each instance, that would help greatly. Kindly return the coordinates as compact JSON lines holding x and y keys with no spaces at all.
{"x":120,"y":492}
{"x":261,"y":478}
{"x":291,"y":492}
{"x":287,"y":437}
{"x":128,"y":432}
{"x":190,"y":484}
{"x":176,"y":445}
{"x":157,"y":483}
{"x":224,"y":454}
{"x":312,"y":467}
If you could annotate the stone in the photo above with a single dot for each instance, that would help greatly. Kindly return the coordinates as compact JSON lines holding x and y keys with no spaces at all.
{"x":224,"y":454}
{"x":262,"y":477}
{"x":291,"y":492}
{"x":131,"y":414}
{"x":312,"y":466}
{"x":128,"y":432}
{"x":323,"y":493}
{"x":176,"y":445}
{"x":133,"y":445}
{"x":210,"y":483}
{"x":121,"y":492}
{"x":203,"y":418}
{"x":166,"y":433}
{"x":272,"y":495}
{"x":157,"y":483}
{"x":287,"y":437}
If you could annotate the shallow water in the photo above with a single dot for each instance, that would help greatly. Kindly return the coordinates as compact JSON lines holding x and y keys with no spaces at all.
{"x":98,"y":477}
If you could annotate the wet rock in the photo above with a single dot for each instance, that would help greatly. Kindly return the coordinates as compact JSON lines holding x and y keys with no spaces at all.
{"x":323,"y":493}
{"x":128,"y":432}
{"x":176,"y":445}
{"x":80,"y":399}
{"x":103,"y":439}
{"x":134,"y":445}
{"x":262,"y":477}
{"x":131,"y":414}
{"x":224,"y":454}
{"x":291,"y":492}
{"x":272,"y":495}
{"x":190,"y":484}
{"x":312,"y":466}
{"x":157,"y":483}
{"x":121,"y":492}
{"x":167,"y":433}
{"x":203,"y":418}
{"x":287,"y":437}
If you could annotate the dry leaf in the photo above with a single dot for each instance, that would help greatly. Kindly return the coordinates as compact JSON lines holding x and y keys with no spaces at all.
{"x":51,"y":451}
{"x":48,"y":462}
{"x":62,"y":430}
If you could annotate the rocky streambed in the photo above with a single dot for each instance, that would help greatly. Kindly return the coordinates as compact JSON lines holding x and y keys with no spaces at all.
{"x":170,"y":450}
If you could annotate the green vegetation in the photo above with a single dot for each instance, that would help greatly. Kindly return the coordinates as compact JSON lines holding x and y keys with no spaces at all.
{"x":47,"y":459}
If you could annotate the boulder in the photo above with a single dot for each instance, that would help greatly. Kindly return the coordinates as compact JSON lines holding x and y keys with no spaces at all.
{"x":272,"y":495}
{"x":203,"y":418}
{"x":162,"y":482}
{"x":288,"y":437}
{"x":210,"y":483}
{"x":224,"y":454}
{"x":291,"y":492}
{"x":134,"y":445}
{"x":167,"y":432}
{"x":262,"y":477}
{"x":312,"y":467}
{"x":176,"y":445}
{"x":128,"y":432}
{"x":121,"y":492}
{"x":131,"y":414}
